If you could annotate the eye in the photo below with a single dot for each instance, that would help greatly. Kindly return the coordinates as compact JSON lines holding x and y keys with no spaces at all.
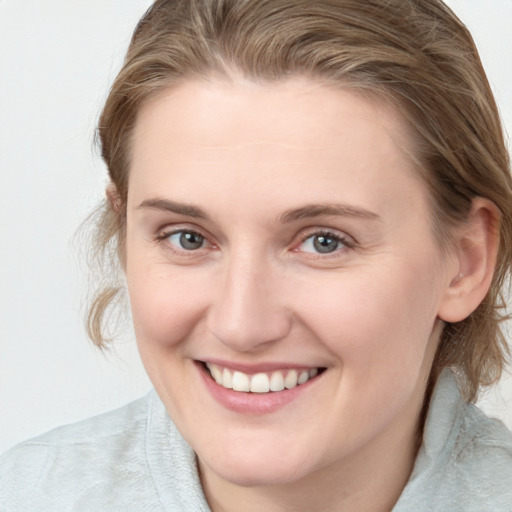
{"x":187,"y":240}
{"x":323,"y":243}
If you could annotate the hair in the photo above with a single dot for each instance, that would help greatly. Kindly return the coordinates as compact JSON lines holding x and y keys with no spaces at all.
{"x":414,"y":53}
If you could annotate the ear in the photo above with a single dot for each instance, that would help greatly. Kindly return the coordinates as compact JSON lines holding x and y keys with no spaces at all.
{"x":113,"y":197}
{"x":475,"y":250}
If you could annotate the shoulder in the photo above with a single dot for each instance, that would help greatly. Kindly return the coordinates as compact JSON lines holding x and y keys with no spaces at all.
{"x":465,"y":461}
{"x":475,"y":472}
{"x":482,"y":455}
{"x":56,"y":466}
{"x":106,"y":431}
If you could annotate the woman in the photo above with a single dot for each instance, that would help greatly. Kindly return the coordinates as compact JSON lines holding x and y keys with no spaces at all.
{"x":312,"y":206}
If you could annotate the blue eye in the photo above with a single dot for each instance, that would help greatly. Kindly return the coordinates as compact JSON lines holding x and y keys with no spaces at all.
{"x":322,"y":243}
{"x":187,"y":240}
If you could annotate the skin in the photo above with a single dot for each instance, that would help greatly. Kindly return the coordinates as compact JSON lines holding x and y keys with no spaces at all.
{"x":257,"y":292}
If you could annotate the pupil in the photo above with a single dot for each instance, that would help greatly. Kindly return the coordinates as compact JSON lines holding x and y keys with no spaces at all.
{"x":325,"y":244}
{"x":191,"y":241}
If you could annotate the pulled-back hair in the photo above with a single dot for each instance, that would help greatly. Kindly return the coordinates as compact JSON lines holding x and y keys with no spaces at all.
{"x":413,"y":53}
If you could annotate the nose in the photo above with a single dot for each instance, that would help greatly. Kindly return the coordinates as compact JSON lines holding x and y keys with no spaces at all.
{"x":249,"y":309}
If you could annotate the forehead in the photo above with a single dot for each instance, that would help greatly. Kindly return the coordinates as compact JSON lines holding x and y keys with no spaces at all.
{"x":300,"y":133}
{"x":289,"y":111}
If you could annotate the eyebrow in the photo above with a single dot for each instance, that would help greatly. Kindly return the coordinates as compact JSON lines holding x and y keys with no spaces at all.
{"x":317,"y":210}
{"x":171,"y":206}
{"x":304,"y":212}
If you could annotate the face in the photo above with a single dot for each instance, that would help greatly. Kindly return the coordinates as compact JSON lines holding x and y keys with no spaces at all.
{"x":283,"y":274}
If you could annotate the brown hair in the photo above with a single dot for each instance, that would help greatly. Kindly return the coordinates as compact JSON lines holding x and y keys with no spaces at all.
{"x":415,"y":53}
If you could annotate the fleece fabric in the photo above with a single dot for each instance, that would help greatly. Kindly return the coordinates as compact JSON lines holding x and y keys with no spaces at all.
{"x":134,"y":459}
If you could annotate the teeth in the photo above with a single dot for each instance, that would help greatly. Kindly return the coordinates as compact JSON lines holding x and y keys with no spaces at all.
{"x":303,"y":377}
{"x":216,"y":374}
{"x":241,"y":381}
{"x":260,"y":382}
{"x":227,"y":379}
{"x":290,"y":381}
{"x":276,"y":381}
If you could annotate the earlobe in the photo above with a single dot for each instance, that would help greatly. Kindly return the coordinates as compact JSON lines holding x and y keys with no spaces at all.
{"x":475,"y":249}
{"x":113,"y":197}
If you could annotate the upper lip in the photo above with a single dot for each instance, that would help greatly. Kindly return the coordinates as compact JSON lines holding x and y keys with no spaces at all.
{"x":259,"y":367}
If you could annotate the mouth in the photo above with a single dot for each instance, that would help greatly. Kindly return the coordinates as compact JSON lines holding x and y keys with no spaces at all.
{"x":261,"y":382}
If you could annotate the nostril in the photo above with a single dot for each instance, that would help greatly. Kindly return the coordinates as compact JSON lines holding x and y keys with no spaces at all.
{"x":249,"y":332}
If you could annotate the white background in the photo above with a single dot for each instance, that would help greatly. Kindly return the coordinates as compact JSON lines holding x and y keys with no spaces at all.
{"x":57,"y":60}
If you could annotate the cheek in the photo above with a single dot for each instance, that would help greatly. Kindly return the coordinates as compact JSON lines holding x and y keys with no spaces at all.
{"x":379,"y":328}
{"x":372,"y":319}
{"x":165,"y":305}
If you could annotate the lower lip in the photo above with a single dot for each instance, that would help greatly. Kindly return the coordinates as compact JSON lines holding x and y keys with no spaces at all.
{"x":253,"y":403}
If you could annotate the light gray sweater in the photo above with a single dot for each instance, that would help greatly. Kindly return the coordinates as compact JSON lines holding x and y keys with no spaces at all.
{"x":134,"y":459}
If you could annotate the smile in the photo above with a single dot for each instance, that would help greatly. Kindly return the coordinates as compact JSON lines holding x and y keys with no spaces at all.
{"x":278,"y":380}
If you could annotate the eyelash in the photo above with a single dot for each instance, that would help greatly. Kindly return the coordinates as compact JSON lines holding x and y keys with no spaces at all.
{"x":163,"y":237}
{"x":346,"y":243}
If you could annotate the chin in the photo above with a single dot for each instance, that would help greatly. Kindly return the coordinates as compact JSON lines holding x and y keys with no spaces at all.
{"x":260,"y":466}
{"x":247,"y":475}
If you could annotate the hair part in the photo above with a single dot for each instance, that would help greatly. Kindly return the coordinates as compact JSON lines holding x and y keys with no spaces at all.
{"x":415,"y":54}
